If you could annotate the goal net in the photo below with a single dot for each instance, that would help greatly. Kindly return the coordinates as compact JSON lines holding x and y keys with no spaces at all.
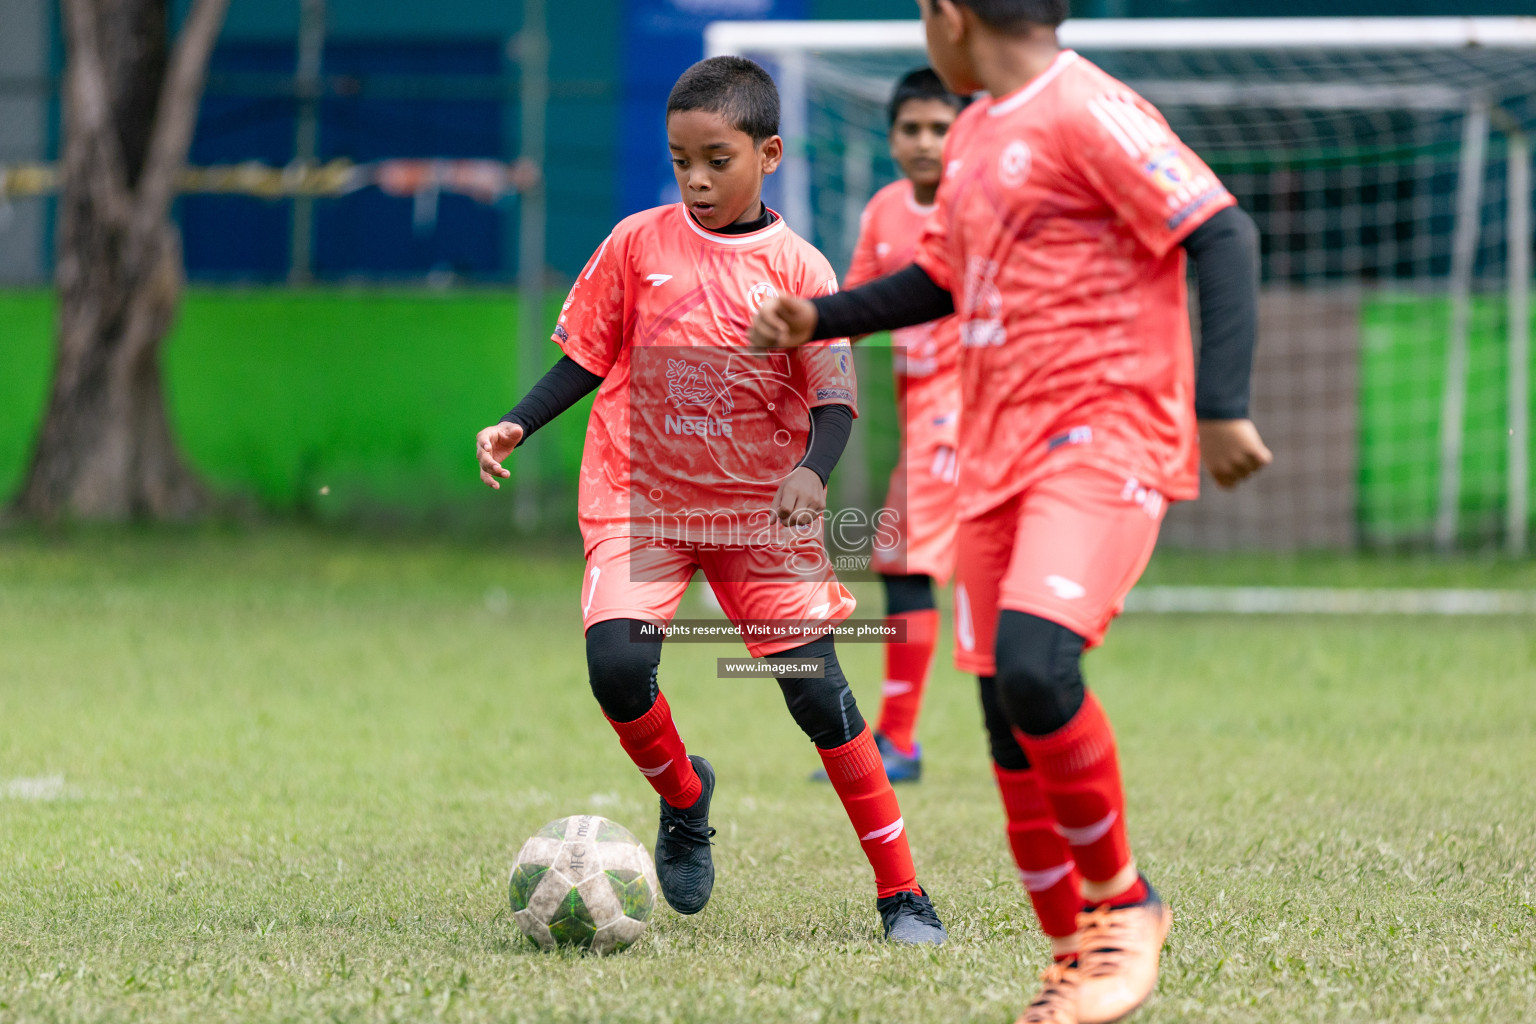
{"x":1387,"y":164}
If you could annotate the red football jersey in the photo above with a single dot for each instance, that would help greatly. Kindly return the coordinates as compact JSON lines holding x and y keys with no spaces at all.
{"x":690,"y":433}
{"x":1060,"y":216}
{"x":926,"y":357}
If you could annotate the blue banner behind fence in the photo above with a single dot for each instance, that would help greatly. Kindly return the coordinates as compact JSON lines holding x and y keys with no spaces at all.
{"x":662,"y":38}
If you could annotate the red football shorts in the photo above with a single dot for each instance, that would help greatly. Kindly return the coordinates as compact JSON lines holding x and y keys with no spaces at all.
{"x":640,"y":578}
{"x":922,"y":495}
{"x":1067,"y":549}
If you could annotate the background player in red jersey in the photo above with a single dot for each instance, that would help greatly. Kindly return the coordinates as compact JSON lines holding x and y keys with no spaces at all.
{"x":692,"y":462}
{"x":1064,"y":217}
{"x":927,"y":366}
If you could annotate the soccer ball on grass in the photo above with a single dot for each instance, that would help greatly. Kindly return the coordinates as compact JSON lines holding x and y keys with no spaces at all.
{"x":583,"y":881}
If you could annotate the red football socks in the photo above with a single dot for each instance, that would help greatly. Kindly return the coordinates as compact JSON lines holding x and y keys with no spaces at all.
{"x":906,"y":675}
{"x":858,"y":776}
{"x":1044,"y":859}
{"x":1080,"y":775}
{"x":652,"y":742}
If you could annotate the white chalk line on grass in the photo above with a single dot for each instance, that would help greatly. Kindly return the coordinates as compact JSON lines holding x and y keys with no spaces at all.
{"x":1328,"y":601}
{"x":47,"y":787}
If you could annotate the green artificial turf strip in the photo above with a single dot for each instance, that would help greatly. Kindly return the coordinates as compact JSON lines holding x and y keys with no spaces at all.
{"x":373,"y":395}
{"x":350,"y":404}
{"x":296,"y":767}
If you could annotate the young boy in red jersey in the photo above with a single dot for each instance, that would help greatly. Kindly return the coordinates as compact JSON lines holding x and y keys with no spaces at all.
{"x":688,"y":466}
{"x":927,"y":366}
{"x":1063,"y":220}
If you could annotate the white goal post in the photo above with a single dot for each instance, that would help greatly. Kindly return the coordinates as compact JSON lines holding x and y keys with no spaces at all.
{"x":1384,"y":73}
{"x":728,"y":37}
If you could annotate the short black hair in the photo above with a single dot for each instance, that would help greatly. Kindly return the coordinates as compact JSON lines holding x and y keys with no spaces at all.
{"x":922,"y":84}
{"x":1016,"y":15}
{"x":736,"y":88}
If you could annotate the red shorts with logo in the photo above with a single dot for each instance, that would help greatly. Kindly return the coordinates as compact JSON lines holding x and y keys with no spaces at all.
{"x":1067,"y":549}
{"x":641,"y":578}
{"x":922,"y":496}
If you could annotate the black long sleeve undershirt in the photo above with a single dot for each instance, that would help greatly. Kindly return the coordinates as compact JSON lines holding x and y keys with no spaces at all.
{"x":1224,"y":250}
{"x":902,"y":299}
{"x":830,"y":427}
{"x":566,"y":383}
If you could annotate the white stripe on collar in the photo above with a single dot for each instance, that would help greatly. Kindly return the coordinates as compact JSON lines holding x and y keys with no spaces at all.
{"x":919,"y":208}
{"x":747,"y":239}
{"x":1009,"y":104}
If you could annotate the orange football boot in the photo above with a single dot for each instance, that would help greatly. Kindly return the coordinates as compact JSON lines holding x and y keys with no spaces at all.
{"x":1118,"y":959}
{"x":1056,"y":1002}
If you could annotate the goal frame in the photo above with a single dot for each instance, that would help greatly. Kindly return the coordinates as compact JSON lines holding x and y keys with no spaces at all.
{"x":789,"y":41}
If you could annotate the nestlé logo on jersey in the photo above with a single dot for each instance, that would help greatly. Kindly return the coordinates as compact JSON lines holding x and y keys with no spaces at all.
{"x":698,"y":384}
{"x":983,"y":323}
{"x":916,"y":351}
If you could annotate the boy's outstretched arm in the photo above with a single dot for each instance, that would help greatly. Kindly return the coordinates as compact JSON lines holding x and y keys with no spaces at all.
{"x":566,"y":383}
{"x":903,"y":299}
{"x":1225,"y":253}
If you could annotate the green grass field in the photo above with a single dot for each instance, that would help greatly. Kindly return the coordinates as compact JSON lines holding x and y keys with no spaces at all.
{"x":282,"y":776}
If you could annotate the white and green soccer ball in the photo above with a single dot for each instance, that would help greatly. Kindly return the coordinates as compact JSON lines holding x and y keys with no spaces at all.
{"x":583,"y":881}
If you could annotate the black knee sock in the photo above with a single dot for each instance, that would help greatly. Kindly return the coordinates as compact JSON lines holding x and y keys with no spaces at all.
{"x":824,"y":708}
{"x":1039,"y":672}
{"x":622,"y":671}
{"x":908,"y":594}
{"x":1006,"y":752}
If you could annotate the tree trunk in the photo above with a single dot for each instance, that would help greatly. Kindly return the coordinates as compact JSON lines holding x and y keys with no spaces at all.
{"x":106,"y":451}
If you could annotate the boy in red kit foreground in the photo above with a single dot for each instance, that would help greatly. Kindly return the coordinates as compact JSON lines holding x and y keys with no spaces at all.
{"x":1063,"y":220}
{"x":700,"y":457}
